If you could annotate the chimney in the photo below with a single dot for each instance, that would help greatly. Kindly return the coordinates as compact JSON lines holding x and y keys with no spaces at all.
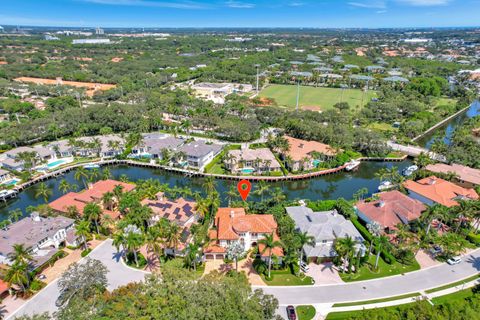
{"x":301,"y":146}
{"x":35,"y":216}
{"x":381,"y":203}
{"x":160,"y":196}
{"x":232,"y":213}
{"x":432,"y":181}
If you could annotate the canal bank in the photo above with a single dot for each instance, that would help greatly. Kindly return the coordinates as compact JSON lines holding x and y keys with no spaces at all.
{"x":342,"y":184}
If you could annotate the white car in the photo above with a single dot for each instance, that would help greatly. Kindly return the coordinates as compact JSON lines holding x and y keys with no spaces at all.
{"x":304,"y":266}
{"x":454,"y":260}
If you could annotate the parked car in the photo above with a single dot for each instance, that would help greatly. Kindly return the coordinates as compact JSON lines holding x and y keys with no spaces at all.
{"x":454,"y":260}
{"x":435,"y":250}
{"x":304,"y":266}
{"x":42,"y":276}
{"x":291,"y":313}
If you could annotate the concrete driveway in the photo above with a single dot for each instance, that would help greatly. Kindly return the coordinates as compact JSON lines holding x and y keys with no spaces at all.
{"x":378,"y":288}
{"x":324,"y":273}
{"x":118,"y":275}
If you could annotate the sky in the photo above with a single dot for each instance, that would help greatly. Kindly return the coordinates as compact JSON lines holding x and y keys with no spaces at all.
{"x":242,"y":13}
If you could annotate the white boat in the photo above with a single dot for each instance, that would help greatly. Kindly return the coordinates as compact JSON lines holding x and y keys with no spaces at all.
{"x":385,"y":185}
{"x":409,"y":170}
{"x":352,"y":165}
{"x":91,"y":166}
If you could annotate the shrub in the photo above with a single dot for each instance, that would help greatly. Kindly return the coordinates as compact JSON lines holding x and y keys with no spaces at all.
{"x":130,"y":260}
{"x":474,"y":238}
{"x":86,"y":252}
{"x":322,"y":205}
{"x":260,"y":266}
{"x":36,"y":285}
{"x":363,"y":231}
{"x":387,"y":257}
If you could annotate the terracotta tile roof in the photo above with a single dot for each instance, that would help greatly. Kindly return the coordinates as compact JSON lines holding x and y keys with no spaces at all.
{"x":300,"y":149}
{"x":213,"y":248}
{"x":3,"y":286}
{"x":93,"y":194}
{"x":392,"y":208}
{"x":232,"y":221}
{"x":440,"y":191}
{"x":464,"y":173}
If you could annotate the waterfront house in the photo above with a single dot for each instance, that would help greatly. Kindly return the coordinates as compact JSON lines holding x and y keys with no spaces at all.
{"x":107,"y":146}
{"x":11,"y":159}
{"x":466,"y":176}
{"x":179,"y":211}
{"x":434,"y":190}
{"x":233,"y":225}
{"x":246,"y":160}
{"x":390,"y":209}
{"x":325,"y":227}
{"x":306,"y":155}
{"x":93,"y":194}
{"x":197,"y":154}
{"x":154,"y":144}
{"x":41,"y":236}
{"x":4,"y":176}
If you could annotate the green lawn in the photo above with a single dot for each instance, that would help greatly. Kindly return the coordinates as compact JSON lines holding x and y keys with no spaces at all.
{"x":459,"y":295}
{"x":287,"y":279}
{"x":367,"y":271}
{"x":352,"y":314}
{"x":320,"y":98}
{"x":305,"y":312}
{"x":358,"y":303}
{"x":454,"y":284}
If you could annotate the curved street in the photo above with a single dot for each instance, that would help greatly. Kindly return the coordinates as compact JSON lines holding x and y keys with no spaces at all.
{"x":416,"y":281}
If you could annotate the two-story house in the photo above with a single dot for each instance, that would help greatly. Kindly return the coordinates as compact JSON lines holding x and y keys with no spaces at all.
{"x":325,"y":227}
{"x":41,"y":236}
{"x":199,"y":153}
{"x":233,"y":225}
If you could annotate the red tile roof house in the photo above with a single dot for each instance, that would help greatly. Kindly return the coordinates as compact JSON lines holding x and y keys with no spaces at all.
{"x":391,"y":208}
{"x":180,"y":211}
{"x":466,"y":176}
{"x":234,"y":225}
{"x":93,"y":194}
{"x":433,"y":190}
{"x":303,"y":152}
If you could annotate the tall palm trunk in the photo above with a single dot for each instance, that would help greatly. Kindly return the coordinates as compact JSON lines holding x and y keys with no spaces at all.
{"x":96,"y":226}
{"x":84,"y":241}
{"x":135,"y":257}
{"x":377,"y":259}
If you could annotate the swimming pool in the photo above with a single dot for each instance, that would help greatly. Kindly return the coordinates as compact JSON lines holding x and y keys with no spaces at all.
{"x":56,"y":163}
{"x":316,"y":162}
{"x":11,"y":182}
{"x":247,"y":170}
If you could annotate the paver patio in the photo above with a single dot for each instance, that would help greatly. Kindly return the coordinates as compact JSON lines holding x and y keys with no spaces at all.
{"x":324,"y":273}
{"x":425,"y":260}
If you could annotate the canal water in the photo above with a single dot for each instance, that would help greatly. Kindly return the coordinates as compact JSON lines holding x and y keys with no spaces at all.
{"x":446,"y":131}
{"x":343,"y":184}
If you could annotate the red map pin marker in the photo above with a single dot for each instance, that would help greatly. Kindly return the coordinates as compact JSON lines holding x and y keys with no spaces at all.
{"x":244,"y":188}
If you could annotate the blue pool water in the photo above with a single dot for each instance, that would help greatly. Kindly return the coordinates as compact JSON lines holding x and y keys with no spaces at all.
{"x":11,"y":182}
{"x":316,"y":162}
{"x":55,"y":163}
{"x":247,"y":170}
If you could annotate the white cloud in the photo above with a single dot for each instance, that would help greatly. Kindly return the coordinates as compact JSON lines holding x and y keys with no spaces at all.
{"x":239,"y":5}
{"x":150,"y":3}
{"x":373,"y":4}
{"x":296,"y":4}
{"x":425,"y":3}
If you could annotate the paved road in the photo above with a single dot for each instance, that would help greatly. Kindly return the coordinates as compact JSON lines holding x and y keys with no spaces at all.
{"x":379,"y":288}
{"x":118,"y":275}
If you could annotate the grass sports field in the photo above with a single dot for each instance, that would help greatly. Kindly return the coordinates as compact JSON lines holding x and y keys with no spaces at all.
{"x":312,"y":98}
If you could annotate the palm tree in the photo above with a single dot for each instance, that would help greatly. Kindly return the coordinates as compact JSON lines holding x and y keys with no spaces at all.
{"x":261,"y":189}
{"x":29,"y":159}
{"x":173,"y":237}
{"x":277,"y":195}
{"x":269,"y":244}
{"x":382,"y":243}
{"x":434,"y":212}
{"x":106,"y":222}
{"x":133,"y":241}
{"x":124,"y":178}
{"x":192,"y":251}
{"x":119,"y":241}
{"x":375,"y":230}
{"x":16,"y":275}
{"x":15,"y":215}
{"x":107,"y":200}
{"x":92,"y":212}
{"x":81,"y":174}
{"x":72,"y":212}
{"x":209,"y":185}
{"x":118,"y":192}
{"x":82,"y":230}
{"x":64,"y":186}
{"x":153,"y":240}
{"x":43,"y":191}
{"x":234,"y":251}
{"x":21,"y":255}
{"x":94,"y":175}
{"x":232,"y":194}
{"x":303,"y":239}
{"x":106,"y":174}
{"x":202,"y":207}
{"x":345,"y":248}
{"x":422,"y":160}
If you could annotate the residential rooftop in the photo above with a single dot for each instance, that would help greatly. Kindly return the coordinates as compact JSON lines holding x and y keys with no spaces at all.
{"x":463,"y":173}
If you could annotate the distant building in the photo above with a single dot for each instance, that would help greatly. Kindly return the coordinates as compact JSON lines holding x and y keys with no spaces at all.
{"x":217,"y":92}
{"x":99,"y":31}
{"x":154,"y":144}
{"x":91,"y":41}
{"x":416,"y":40}
{"x":326,"y":227}
{"x":434,"y":190}
{"x":306,"y":155}
{"x":465,"y":175}
{"x":252,"y":161}
{"x":4,"y":176}
{"x":41,"y":236}
{"x":51,"y":38}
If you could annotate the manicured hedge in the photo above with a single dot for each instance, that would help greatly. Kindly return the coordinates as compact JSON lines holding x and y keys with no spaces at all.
{"x":474,"y":238}
{"x":363,"y":231}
